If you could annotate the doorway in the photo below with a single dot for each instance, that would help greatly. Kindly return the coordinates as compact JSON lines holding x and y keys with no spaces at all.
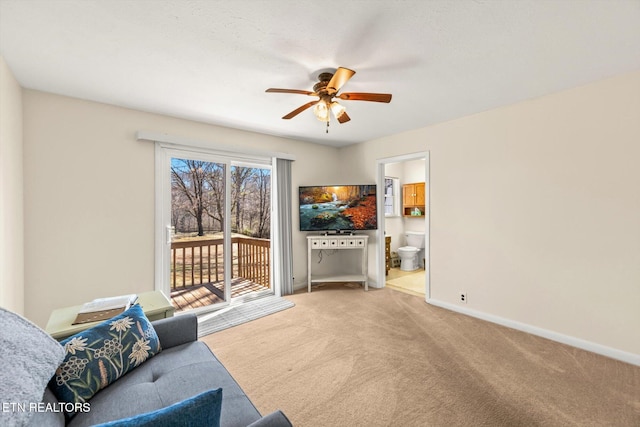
{"x":394,"y":224}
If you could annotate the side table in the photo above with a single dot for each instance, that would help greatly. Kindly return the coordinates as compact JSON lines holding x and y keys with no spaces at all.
{"x":338,"y":242}
{"x":60,"y":325}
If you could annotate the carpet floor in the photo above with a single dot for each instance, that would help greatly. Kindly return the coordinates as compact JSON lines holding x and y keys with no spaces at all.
{"x":345,"y":357}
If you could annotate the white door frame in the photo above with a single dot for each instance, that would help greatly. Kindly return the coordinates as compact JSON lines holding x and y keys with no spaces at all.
{"x":163,"y":154}
{"x":381,"y":163}
{"x":163,"y":216}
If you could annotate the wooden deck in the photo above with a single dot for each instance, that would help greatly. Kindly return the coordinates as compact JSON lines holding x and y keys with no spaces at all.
{"x":188,"y":297}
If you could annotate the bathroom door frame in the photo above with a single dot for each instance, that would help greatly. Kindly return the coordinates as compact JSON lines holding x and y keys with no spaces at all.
{"x":381,"y":163}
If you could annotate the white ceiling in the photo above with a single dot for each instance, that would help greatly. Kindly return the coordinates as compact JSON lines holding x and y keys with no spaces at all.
{"x":211,"y":61}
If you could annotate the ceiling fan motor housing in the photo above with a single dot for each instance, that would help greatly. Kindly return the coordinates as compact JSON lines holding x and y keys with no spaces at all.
{"x":324,"y":79}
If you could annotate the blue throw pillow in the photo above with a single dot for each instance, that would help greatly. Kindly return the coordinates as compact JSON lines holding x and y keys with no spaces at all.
{"x":100,"y":355}
{"x":202,"y":410}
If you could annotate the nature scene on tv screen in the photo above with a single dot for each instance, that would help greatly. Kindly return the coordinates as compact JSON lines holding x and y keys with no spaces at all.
{"x":340,"y":207}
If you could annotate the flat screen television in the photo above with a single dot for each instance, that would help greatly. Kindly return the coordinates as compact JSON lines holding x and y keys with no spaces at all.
{"x":338,"y":208}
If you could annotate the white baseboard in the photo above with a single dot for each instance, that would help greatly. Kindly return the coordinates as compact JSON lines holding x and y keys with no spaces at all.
{"x":298,"y":286}
{"x":613,"y":353}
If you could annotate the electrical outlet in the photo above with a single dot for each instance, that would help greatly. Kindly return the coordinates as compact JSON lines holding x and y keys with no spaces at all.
{"x":463,"y":297}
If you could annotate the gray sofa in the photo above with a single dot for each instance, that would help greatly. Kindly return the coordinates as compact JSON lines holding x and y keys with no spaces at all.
{"x":185,"y":367}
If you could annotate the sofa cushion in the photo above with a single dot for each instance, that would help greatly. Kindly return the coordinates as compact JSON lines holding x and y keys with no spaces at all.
{"x":274,"y":419}
{"x":175,"y":374}
{"x":29,"y":357}
{"x":202,"y":410}
{"x":100,"y":355}
{"x":48,"y":418}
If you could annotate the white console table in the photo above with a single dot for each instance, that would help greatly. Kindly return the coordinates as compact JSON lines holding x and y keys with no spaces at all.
{"x":337,"y":242}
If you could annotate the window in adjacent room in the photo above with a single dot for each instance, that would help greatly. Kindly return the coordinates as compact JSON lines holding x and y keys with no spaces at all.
{"x":391,"y":196}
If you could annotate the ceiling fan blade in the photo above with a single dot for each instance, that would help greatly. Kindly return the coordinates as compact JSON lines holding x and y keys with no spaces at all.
{"x":341,"y":76}
{"x":301,"y":92}
{"x":300,"y":109}
{"x":362,"y":96}
{"x":343,"y":118}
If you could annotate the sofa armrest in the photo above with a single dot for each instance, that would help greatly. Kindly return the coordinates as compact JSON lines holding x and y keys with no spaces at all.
{"x":274,"y":419}
{"x":177,"y":330}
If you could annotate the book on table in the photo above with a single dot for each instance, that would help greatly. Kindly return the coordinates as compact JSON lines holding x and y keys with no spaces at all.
{"x":104,"y":308}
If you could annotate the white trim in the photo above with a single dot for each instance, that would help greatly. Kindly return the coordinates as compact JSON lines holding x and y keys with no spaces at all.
{"x":164,"y":151}
{"x":160,"y":253}
{"x":231,"y":151}
{"x":275,"y":232}
{"x":613,"y":353}
{"x":226,"y":231}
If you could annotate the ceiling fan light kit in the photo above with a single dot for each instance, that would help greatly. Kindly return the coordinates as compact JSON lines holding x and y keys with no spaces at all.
{"x":321,"y":111}
{"x":337,"y":110}
{"x":326,"y":90}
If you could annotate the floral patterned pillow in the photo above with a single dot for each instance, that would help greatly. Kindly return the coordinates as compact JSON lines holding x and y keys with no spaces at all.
{"x":100,"y":355}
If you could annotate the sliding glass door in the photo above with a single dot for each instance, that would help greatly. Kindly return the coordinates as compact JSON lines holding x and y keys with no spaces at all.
{"x":214,"y":225}
{"x":251,"y":230}
{"x":198,"y":263}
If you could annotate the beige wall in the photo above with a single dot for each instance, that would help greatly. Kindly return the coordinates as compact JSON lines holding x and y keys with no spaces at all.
{"x":11,"y":193}
{"x":89,"y":196}
{"x":535,"y":210}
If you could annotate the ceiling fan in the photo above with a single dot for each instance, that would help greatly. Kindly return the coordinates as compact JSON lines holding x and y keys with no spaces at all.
{"x":327,"y":88}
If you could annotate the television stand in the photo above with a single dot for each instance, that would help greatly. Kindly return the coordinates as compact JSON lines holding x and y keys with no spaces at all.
{"x":338,"y":233}
{"x":338,"y":242}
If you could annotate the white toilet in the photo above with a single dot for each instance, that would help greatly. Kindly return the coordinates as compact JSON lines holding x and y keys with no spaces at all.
{"x":410,"y":254}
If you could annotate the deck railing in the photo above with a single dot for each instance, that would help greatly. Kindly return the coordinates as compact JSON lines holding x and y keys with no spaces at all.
{"x":195,"y":262}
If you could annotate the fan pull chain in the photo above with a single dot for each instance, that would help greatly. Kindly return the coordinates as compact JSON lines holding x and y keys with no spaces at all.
{"x":327,"y":126}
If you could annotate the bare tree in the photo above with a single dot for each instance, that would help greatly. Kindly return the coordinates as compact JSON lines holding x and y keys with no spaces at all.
{"x":188,"y":176}
{"x":198,"y":193}
{"x":215,"y":198}
{"x":263,"y":192}
{"x":239,"y":177}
